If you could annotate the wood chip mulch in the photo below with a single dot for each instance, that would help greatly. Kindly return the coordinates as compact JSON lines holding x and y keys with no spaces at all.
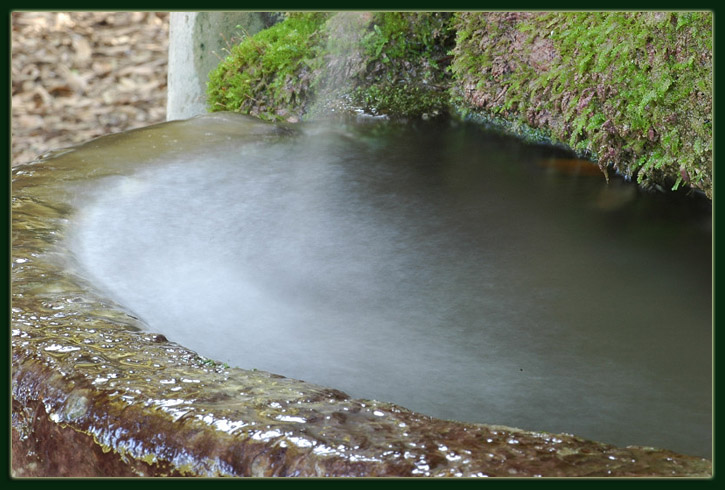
{"x":80,"y":75}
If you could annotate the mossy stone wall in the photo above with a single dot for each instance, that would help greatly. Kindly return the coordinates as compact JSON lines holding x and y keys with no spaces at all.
{"x":630,"y":90}
{"x":397,"y":67}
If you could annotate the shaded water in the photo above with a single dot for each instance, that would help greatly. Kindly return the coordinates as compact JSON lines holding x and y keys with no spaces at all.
{"x":457,"y":273}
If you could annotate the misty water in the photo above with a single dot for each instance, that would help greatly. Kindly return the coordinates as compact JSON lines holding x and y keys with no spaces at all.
{"x":453,"y":271}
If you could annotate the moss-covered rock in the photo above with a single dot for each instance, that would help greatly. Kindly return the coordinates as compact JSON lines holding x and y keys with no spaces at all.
{"x":269,"y":75}
{"x":631,"y":90}
{"x":396,"y":66}
{"x":407,"y":56}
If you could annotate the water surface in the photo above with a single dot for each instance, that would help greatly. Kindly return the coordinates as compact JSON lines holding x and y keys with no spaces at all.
{"x":455,"y":272}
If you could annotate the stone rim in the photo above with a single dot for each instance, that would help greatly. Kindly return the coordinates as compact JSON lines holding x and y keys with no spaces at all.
{"x":85,"y":368}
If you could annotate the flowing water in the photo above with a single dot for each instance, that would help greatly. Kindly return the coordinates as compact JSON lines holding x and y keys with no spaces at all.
{"x":452,"y":271}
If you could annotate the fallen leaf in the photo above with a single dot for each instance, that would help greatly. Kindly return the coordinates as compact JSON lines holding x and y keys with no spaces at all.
{"x":66,"y":72}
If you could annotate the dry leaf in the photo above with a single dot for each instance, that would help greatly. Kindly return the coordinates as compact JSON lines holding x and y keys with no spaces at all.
{"x":83,"y":51}
{"x":78,"y":75}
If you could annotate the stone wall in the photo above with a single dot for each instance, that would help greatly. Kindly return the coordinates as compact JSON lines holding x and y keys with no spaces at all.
{"x":632,"y":90}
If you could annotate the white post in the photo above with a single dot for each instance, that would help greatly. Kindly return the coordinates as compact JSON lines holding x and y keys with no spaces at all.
{"x":197,"y":43}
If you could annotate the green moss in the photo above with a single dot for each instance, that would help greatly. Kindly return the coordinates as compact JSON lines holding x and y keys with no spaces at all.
{"x":399,"y":101}
{"x":279,"y":71}
{"x":633,"y":90}
{"x":269,"y":75}
{"x":407,"y":57}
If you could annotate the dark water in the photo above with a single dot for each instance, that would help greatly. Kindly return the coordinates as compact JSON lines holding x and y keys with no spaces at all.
{"x":454,"y":272}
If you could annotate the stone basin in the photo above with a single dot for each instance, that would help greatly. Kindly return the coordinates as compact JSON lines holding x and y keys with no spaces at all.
{"x":95,"y":393}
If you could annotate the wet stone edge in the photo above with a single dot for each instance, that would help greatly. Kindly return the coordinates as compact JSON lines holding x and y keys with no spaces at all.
{"x":91,"y":386}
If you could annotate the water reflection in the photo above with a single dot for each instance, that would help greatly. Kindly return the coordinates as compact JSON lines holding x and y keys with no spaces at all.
{"x":437,"y":267}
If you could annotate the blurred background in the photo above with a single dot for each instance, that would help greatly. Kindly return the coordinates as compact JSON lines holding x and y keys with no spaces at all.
{"x":79,"y":75}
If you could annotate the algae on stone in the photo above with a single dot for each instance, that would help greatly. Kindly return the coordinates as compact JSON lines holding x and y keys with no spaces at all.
{"x":268,"y":75}
{"x":631,"y":90}
{"x":406,"y":74}
{"x":280,"y":73}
